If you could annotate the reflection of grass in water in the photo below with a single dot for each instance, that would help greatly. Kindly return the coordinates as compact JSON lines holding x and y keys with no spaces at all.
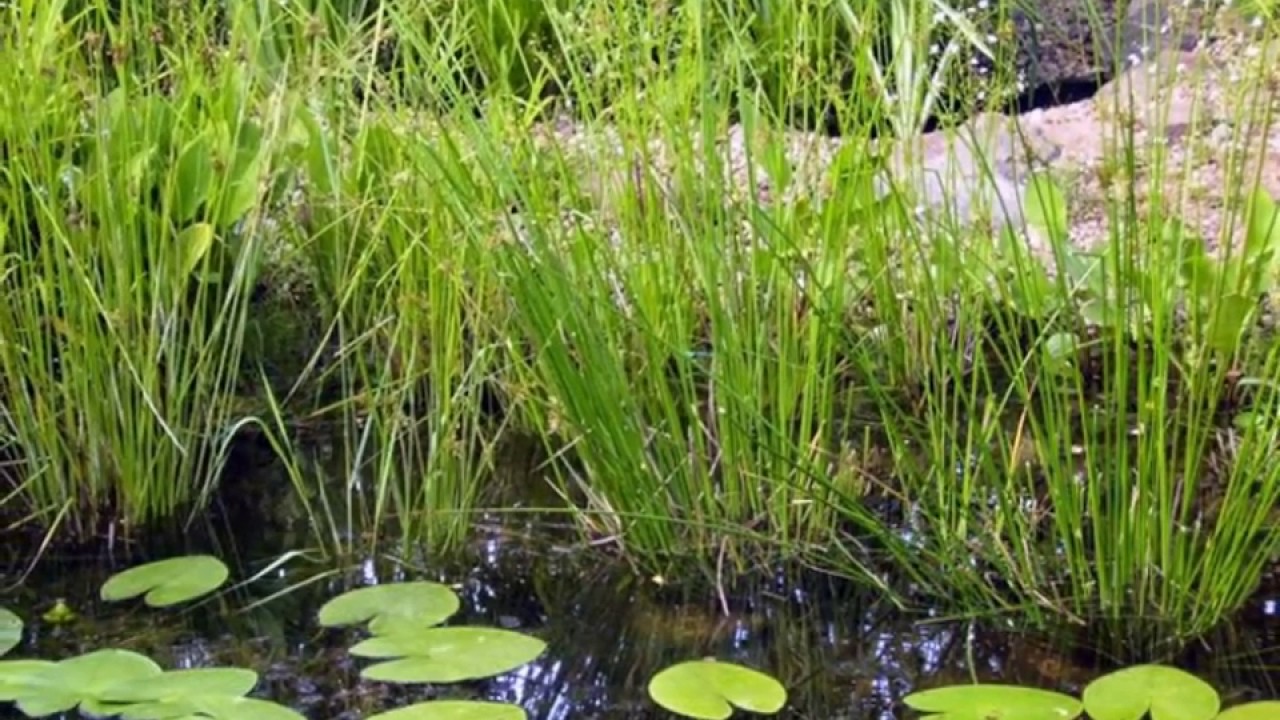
{"x":716,"y":366}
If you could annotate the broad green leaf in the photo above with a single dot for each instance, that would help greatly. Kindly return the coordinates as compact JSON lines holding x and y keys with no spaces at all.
{"x":15,"y":676}
{"x":245,"y":175}
{"x":194,"y":178}
{"x":193,"y":245}
{"x":993,"y":702}
{"x":1233,"y":311}
{"x":711,"y":690}
{"x":228,"y":708}
{"x":1046,"y":206}
{"x":167,"y":582}
{"x":1263,"y":232}
{"x":1060,"y":350}
{"x":1264,"y":710}
{"x":445,"y":655}
{"x":68,"y":683}
{"x":1166,"y":693}
{"x":178,"y":683}
{"x":454,"y":710}
{"x":10,"y":631}
{"x":392,"y":606}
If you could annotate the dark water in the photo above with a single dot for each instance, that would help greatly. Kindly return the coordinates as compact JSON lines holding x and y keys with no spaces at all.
{"x":841,"y":652}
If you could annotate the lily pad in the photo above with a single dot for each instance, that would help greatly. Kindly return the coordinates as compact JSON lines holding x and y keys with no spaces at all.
{"x":447,"y":655}
{"x":1166,"y":693}
{"x":455,"y":710}
{"x":392,"y":607}
{"x":711,"y":690}
{"x":1264,"y":710}
{"x":167,"y":582}
{"x":10,"y":631}
{"x":157,"y":696}
{"x":994,"y":702}
{"x":64,"y":685}
{"x":216,"y":707}
{"x":15,"y":676}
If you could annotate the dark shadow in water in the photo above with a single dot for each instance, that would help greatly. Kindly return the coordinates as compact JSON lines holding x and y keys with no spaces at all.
{"x":840,"y":651}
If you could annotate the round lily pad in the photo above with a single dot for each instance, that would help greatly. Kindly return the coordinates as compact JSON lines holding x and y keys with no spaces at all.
{"x":10,"y":631}
{"x":217,"y":707}
{"x":64,"y":685}
{"x":447,"y":655}
{"x":1264,"y":710}
{"x":167,"y":582}
{"x":455,"y":710}
{"x":994,"y":702}
{"x":710,"y":690}
{"x":1166,"y":693}
{"x":16,"y":676}
{"x":391,"y":607}
{"x":142,"y":698}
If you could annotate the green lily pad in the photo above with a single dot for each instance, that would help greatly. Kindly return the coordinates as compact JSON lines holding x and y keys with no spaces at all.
{"x":64,"y":685}
{"x":15,"y":676}
{"x":10,"y":631}
{"x":994,"y":702}
{"x":711,"y":690}
{"x":1166,"y":693}
{"x":218,"y":707}
{"x":167,"y":582}
{"x":1264,"y":710}
{"x":141,"y":698}
{"x":454,"y":710}
{"x":392,"y":607}
{"x":446,"y":655}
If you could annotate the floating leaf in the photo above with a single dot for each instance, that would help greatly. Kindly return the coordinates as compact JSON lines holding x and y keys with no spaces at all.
{"x":15,"y":676}
{"x":64,"y":685}
{"x":1167,"y":693}
{"x":10,"y":631}
{"x":167,"y":582}
{"x":445,"y":655}
{"x":215,"y":707}
{"x":709,"y":689}
{"x":455,"y":710}
{"x":994,"y":702}
{"x":1264,"y":710}
{"x":392,"y":606}
{"x":156,"y":697}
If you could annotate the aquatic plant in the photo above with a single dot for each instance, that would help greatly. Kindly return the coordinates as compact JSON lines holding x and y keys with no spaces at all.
{"x":10,"y":630}
{"x":710,"y":690}
{"x":167,"y":582}
{"x":1156,"y":691}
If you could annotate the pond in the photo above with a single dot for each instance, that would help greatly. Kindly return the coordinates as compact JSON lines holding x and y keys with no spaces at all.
{"x":840,"y":651}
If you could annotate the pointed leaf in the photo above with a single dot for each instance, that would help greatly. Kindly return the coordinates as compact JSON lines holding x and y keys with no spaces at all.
{"x":167,"y":582}
{"x":392,"y":606}
{"x":994,"y":702}
{"x":454,"y":710}
{"x":194,"y":244}
{"x":1046,"y":206}
{"x":445,"y":655}
{"x":1166,"y":693}
{"x":709,"y":689}
{"x":1233,"y":311}
{"x":194,"y":178}
{"x":10,"y":631}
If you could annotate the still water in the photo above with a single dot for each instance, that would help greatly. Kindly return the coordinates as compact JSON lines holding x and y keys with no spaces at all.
{"x":842,"y":653}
